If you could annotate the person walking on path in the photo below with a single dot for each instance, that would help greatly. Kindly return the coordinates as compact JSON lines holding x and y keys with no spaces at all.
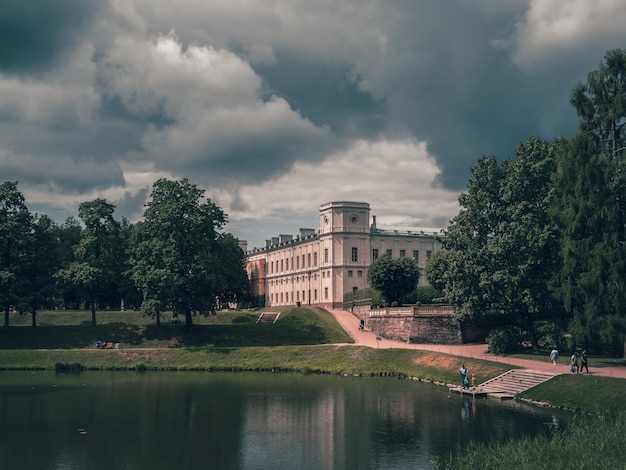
{"x":583,"y":362}
{"x":574,"y":363}
{"x":554,"y":354}
{"x":463,"y":372}
{"x":474,"y":380}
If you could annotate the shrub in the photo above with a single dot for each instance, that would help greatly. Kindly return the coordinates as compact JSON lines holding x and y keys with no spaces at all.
{"x":61,"y":367}
{"x":377,"y":298}
{"x":548,"y":336}
{"x":426,"y":294}
{"x":505,"y":340}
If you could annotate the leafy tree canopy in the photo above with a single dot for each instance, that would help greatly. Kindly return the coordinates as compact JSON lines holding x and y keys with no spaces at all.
{"x":500,"y":250}
{"x":179,"y":258}
{"x":393,"y":278}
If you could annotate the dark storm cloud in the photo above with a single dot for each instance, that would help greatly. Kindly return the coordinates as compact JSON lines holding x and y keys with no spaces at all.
{"x":61,"y":171}
{"x":327,"y":93}
{"x":35,"y":34}
{"x":446,"y":83}
{"x":348,"y":97}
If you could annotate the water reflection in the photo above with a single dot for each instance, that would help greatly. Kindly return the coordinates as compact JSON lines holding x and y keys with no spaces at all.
{"x":243,"y":421}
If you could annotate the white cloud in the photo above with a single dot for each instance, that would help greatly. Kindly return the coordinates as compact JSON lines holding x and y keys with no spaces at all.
{"x":211,"y":98}
{"x":158,"y":76}
{"x":397,"y":178}
{"x":552,"y":29}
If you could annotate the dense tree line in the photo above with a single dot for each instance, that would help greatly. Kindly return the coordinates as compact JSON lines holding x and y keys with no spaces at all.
{"x":544,"y":232}
{"x":176,"y":258}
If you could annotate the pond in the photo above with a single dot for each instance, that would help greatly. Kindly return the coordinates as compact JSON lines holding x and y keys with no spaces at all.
{"x":192,"y":420}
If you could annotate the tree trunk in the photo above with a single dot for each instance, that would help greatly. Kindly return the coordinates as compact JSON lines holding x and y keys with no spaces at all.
{"x":188,"y":319}
{"x":158,"y":318}
{"x":531,"y":331}
{"x":6,"y":316}
{"x":34,"y":318}
{"x":93,"y":311}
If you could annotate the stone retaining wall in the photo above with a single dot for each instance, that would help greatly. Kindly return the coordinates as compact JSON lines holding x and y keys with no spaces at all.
{"x":419,"y":325}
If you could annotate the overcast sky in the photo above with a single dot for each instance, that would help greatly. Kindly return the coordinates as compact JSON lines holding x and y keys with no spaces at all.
{"x":278,"y":106}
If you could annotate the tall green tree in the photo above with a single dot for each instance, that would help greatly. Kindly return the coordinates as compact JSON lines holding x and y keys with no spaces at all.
{"x":68,"y":235}
{"x":129,"y":293}
{"x":175,"y":251}
{"x":394,"y":278}
{"x":500,"y":250}
{"x":600,"y":103}
{"x":42,"y":261}
{"x":15,"y":231}
{"x":99,"y":255}
{"x":232,"y":279}
{"x":590,"y":209}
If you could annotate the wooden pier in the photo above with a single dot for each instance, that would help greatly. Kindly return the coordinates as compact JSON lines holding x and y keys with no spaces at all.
{"x":507,"y":385}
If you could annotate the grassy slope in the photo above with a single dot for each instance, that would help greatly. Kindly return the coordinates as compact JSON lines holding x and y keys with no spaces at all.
{"x":60,"y":329}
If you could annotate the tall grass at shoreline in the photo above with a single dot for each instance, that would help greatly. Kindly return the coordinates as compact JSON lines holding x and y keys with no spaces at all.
{"x":592,"y":442}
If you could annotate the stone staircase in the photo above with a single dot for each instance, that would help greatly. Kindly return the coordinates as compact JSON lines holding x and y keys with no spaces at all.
{"x":268,"y":317}
{"x":507,"y":385}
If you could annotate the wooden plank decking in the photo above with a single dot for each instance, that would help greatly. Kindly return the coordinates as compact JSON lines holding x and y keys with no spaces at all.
{"x":507,"y":385}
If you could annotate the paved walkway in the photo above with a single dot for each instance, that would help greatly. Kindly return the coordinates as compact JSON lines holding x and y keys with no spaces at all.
{"x":350,"y":323}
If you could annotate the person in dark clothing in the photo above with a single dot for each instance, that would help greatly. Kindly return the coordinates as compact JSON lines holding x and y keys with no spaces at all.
{"x":583,"y":361}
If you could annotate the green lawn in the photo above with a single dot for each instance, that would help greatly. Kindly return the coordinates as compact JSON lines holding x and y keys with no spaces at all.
{"x":72,"y":329}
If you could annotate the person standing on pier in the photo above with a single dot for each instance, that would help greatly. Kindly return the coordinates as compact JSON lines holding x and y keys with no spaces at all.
{"x":463,"y":372}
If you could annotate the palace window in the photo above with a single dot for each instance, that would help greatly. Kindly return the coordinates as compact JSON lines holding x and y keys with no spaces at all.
{"x":416,"y":256}
{"x":355,"y":254}
{"x":374,"y":254}
{"x":325,"y":255}
{"x":402,"y":253}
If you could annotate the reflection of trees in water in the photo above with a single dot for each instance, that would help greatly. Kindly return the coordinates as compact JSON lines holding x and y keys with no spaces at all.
{"x":181,"y":420}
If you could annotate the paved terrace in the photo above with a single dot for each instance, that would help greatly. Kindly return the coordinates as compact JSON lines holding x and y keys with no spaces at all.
{"x":350,"y":323}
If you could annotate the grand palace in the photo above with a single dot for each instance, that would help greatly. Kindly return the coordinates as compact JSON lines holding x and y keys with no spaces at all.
{"x":319,"y":267}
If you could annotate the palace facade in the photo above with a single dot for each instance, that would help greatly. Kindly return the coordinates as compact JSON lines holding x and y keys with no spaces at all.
{"x":320,"y":267}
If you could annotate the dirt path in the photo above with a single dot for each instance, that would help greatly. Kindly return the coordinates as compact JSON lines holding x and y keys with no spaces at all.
{"x":350,"y":323}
